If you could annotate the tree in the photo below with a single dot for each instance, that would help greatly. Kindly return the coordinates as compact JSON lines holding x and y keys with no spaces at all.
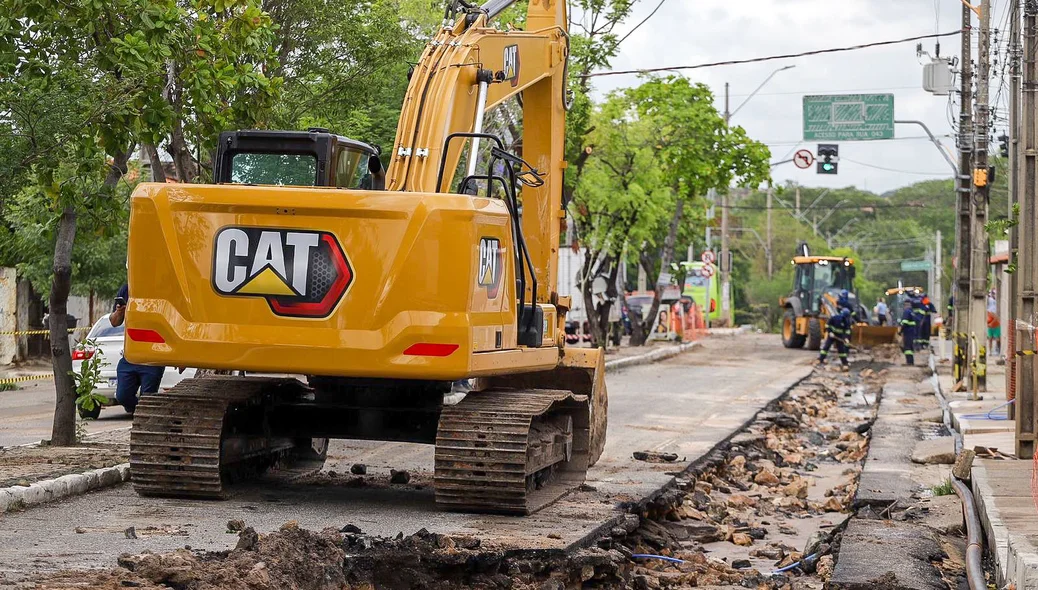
{"x":593,"y":43}
{"x":698,"y":151}
{"x":344,"y":62}
{"x":619,"y":200}
{"x":81,"y":83}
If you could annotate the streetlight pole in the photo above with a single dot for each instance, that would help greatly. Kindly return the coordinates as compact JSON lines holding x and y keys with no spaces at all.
{"x":724,"y":262}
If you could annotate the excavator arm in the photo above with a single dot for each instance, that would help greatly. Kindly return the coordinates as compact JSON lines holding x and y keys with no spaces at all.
{"x":468,"y":68}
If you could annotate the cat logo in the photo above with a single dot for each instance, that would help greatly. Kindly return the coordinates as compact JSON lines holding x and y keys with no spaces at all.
{"x":511,"y":68}
{"x":490,"y":265}
{"x":300,"y":273}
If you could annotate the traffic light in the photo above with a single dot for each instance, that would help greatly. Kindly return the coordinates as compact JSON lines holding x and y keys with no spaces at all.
{"x":828,"y":156}
{"x":1003,"y":145}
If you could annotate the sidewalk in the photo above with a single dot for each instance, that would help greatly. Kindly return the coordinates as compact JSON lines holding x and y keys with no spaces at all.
{"x":1001,"y":486}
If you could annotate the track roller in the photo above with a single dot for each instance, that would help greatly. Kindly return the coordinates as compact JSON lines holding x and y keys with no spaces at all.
{"x":192,"y":440}
{"x":511,"y":451}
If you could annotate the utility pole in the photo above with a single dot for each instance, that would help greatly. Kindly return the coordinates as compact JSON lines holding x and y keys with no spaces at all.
{"x":726,"y":318}
{"x":1026,"y":429}
{"x":965,"y":189}
{"x":938,"y":270}
{"x":980,"y":258}
{"x":771,"y":268}
{"x":1012,"y":313}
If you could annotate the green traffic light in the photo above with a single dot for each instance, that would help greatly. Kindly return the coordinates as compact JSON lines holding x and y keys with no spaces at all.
{"x":827,"y":166}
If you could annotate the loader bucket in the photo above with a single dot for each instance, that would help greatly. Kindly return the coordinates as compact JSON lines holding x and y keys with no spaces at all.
{"x":864,"y":335}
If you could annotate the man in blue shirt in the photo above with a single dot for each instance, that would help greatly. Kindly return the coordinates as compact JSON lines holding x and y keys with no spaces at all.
{"x":839,"y":326}
{"x":132,"y":377}
{"x":908,"y":332}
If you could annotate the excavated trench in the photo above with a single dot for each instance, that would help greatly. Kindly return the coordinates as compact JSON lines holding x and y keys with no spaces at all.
{"x":764,"y":510}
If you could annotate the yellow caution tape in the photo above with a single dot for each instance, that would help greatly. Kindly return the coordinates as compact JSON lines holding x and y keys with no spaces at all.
{"x":37,"y":332}
{"x":26,"y":378}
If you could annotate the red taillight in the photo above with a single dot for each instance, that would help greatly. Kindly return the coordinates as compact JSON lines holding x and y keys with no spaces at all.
{"x":81,"y":355}
{"x":431,"y":349}
{"x":145,"y":336}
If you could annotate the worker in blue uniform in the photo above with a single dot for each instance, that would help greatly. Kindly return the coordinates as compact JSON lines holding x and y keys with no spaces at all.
{"x":908,"y":332}
{"x":927,"y":310}
{"x":839,"y":328}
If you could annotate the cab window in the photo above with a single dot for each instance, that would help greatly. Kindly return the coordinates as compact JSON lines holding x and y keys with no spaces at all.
{"x":351,"y":170}
{"x":274,"y":169}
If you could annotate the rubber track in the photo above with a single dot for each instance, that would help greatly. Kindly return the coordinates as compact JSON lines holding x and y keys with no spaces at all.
{"x":175,"y":442}
{"x":481,"y":451}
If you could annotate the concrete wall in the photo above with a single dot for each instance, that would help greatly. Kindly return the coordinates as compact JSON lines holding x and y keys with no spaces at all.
{"x":8,"y":315}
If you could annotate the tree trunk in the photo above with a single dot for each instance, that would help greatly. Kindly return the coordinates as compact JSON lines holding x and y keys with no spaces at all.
{"x":158,"y":173}
{"x":63,"y":431}
{"x":64,"y":428}
{"x":181,"y":153}
{"x":665,"y":259}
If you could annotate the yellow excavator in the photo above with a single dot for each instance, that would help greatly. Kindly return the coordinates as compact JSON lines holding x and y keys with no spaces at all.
{"x":382,"y":287}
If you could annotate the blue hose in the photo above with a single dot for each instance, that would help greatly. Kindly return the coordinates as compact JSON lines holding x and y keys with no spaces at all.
{"x":793,"y":565}
{"x":663,"y":557}
{"x":988,"y":415}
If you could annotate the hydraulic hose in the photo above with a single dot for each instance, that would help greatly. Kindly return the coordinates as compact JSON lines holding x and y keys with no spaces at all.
{"x":974,"y":548}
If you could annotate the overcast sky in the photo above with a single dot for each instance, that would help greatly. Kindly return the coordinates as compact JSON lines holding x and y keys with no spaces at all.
{"x":696,"y":31}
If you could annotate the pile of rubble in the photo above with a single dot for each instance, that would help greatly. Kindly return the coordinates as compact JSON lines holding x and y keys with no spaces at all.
{"x":764,"y":511}
{"x":737,"y":519}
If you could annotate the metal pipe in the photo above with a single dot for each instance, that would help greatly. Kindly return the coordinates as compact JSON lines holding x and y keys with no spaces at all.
{"x":974,"y":548}
{"x":477,"y":127}
{"x":935,"y":141}
{"x":496,"y":7}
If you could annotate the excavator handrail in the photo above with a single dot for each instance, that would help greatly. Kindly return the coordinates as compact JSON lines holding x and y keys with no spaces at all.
{"x":446,"y":144}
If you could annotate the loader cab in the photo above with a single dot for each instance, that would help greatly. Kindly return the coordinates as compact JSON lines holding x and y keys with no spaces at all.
{"x":818,"y":275}
{"x":297,"y":158}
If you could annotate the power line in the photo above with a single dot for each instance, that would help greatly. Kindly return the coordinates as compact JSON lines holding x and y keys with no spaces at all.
{"x":644,"y":20}
{"x":857,"y":207}
{"x":772,"y":57}
{"x":894,"y":169}
{"x":780,"y":142}
{"x":847,"y":90}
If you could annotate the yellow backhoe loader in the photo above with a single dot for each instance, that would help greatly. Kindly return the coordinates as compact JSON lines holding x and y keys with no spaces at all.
{"x":382,"y":286}
{"x":817,"y":285}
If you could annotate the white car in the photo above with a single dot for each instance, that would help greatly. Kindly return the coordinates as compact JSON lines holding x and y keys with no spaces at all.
{"x":108,"y":345}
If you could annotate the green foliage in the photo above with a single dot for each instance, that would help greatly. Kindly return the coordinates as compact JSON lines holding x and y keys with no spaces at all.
{"x":87,"y":379}
{"x":344,"y":62}
{"x":8,"y":386}
{"x":943,"y":489}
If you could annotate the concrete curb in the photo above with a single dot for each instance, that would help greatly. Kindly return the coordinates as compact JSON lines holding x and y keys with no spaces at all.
{"x":1014,"y":558}
{"x":649,"y":358}
{"x":19,"y":497}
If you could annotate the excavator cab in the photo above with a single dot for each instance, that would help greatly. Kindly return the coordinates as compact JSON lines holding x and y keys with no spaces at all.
{"x":313,"y":157}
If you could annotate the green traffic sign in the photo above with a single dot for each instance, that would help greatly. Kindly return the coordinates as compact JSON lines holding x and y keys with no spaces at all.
{"x":915,"y":265}
{"x":848,"y":117}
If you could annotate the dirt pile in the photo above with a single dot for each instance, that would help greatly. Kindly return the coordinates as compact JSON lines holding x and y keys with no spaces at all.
{"x":767,"y":510}
{"x":773,"y":498}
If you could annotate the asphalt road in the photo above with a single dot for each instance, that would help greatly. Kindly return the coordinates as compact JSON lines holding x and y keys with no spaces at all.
{"x":26,"y":414}
{"x":687,"y":405}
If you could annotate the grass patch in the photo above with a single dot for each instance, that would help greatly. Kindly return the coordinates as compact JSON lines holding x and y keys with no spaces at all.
{"x":8,"y":386}
{"x":943,"y":489}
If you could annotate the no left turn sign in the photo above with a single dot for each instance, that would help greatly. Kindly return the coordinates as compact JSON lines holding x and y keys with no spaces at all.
{"x":803,"y":159}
